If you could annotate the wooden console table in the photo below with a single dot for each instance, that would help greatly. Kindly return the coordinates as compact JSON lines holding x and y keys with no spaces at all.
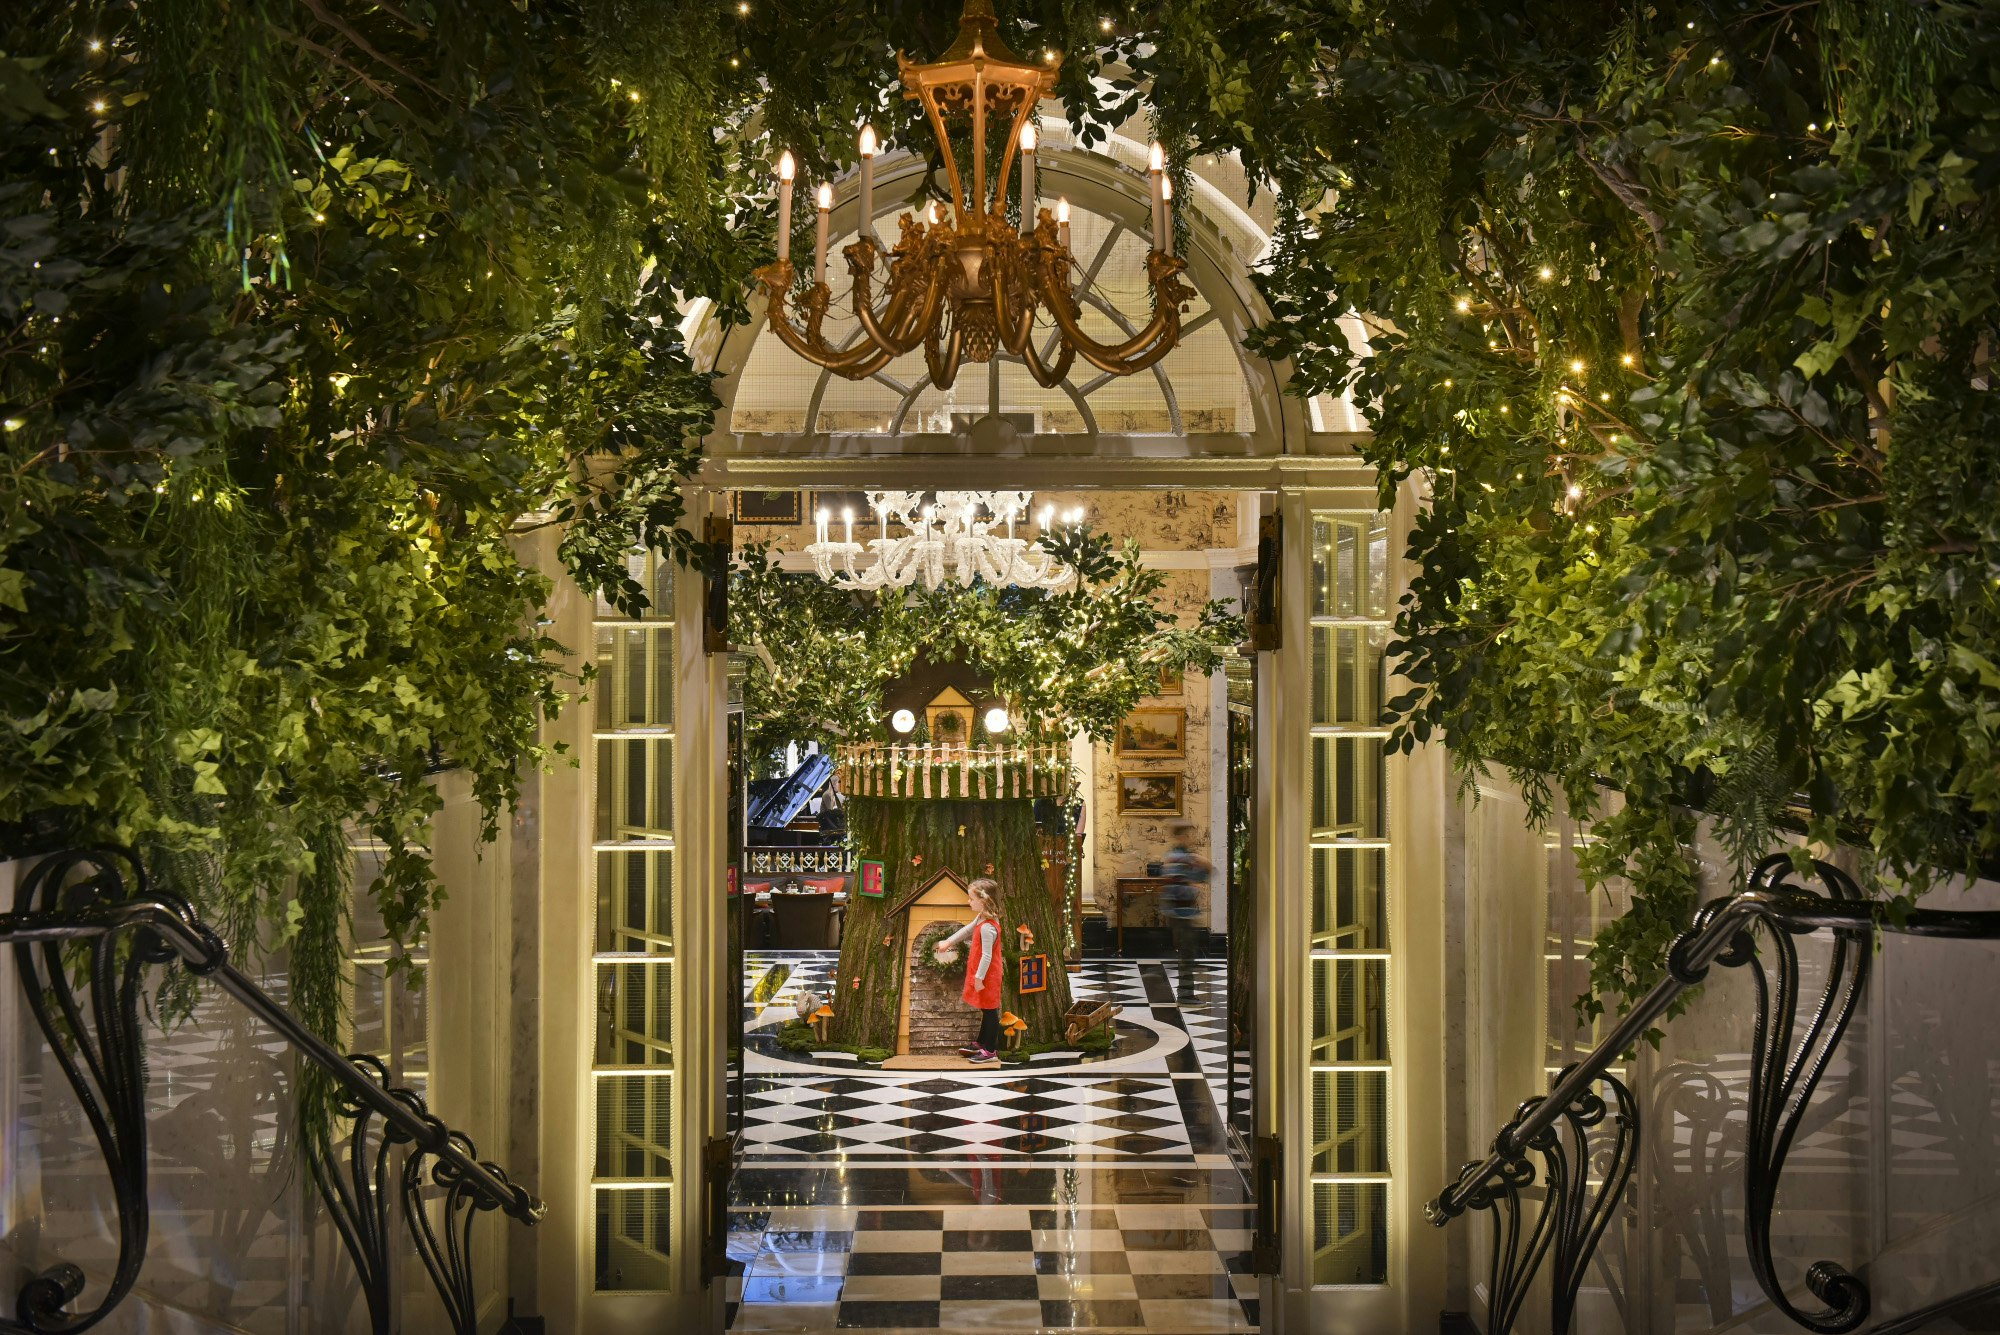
{"x":1126,"y":888}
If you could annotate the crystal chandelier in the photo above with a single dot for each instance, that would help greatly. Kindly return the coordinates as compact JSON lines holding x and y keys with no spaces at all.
{"x":967,"y":287}
{"x":957,"y":529}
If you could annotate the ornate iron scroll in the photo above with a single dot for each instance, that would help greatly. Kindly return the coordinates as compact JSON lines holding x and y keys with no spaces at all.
{"x":355,"y":1182}
{"x":1586,"y":1151}
{"x":446,"y":1246}
{"x":99,"y":1047}
{"x":355,"y":1189}
{"x":1783,"y":1075}
{"x":78,"y":899}
{"x":1785,"y":1070}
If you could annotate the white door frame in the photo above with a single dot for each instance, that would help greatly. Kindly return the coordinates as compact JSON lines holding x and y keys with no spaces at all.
{"x":1282,"y":456}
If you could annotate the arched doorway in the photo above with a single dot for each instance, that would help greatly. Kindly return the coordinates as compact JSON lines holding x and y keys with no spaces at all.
{"x":1340,"y":894}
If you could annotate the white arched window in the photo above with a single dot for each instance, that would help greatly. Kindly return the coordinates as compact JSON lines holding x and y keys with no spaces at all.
{"x":1199,"y":387}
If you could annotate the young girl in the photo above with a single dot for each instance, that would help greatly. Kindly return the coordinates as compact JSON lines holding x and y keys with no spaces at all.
{"x":982,"y":967}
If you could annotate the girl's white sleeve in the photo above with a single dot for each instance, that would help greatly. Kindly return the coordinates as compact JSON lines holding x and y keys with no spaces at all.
{"x":989,"y":941}
{"x":956,"y":936}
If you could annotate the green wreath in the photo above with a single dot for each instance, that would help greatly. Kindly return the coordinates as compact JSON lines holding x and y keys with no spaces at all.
{"x":926,"y":948}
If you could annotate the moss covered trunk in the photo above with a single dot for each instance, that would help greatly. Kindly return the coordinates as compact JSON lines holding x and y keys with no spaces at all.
{"x":914,"y":840}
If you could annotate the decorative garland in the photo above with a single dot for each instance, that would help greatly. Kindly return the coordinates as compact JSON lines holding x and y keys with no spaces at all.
{"x":926,"y":950}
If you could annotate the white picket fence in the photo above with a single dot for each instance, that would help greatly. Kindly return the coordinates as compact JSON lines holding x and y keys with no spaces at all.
{"x":932,"y":769}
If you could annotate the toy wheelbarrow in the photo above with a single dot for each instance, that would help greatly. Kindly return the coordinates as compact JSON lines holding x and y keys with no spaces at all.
{"x":1084,"y":1016}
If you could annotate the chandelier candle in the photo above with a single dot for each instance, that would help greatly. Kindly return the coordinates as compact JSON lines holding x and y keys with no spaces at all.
{"x":1167,"y":215}
{"x":1027,"y":180}
{"x":825,"y":214}
{"x":869,"y":148}
{"x":1157,"y":173}
{"x":1062,"y":222}
{"x":788,"y":167}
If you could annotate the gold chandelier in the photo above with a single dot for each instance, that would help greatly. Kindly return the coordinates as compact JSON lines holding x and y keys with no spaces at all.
{"x":967,"y":287}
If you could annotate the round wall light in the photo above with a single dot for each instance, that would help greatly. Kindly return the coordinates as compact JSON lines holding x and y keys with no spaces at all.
{"x":903,"y":720}
{"x":996,"y":720}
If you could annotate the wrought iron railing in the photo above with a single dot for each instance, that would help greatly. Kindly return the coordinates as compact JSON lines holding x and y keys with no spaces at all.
{"x":1585,"y":1130}
{"x":79,"y":900}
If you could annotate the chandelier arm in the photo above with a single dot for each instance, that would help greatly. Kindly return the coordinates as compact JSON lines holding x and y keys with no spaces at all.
{"x":1135,"y":354}
{"x":943,"y":362}
{"x":1142,"y":349}
{"x":854,"y":364}
{"x":1017,"y":328}
{"x":861,"y":295}
{"x":904,"y":331}
{"x":1047,"y":377}
{"x":892,"y":329}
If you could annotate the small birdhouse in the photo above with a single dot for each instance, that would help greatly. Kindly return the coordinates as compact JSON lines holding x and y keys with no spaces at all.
{"x":1014,"y":1028}
{"x":821,"y":1018}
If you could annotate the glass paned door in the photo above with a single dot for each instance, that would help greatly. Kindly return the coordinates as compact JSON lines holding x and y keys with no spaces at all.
{"x":1240,"y":869}
{"x":633,"y":1070}
{"x":1350,"y":984}
{"x":739,"y":907}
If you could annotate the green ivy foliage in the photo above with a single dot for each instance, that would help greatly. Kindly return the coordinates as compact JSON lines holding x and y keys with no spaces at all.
{"x":1067,"y":663}
{"x":307,"y":305}
{"x":308,"y":313}
{"x":1682,"y":317}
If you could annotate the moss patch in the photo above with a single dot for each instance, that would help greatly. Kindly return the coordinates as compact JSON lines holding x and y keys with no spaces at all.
{"x":1097,"y":1040}
{"x":798,"y":1036}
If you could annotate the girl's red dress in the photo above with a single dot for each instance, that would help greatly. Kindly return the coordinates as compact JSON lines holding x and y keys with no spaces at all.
{"x":984,"y":996}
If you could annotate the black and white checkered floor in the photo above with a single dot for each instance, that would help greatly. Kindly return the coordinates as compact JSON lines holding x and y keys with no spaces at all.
{"x":1105,"y":1266}
{"x":1072,"y":1194}
{"x":1156,"y":1095}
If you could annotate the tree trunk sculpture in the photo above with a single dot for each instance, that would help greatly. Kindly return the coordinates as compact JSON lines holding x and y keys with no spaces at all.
{"x":914,"y":840}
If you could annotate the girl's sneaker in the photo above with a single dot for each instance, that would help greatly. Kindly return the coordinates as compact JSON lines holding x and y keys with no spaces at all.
{"x":982,"y":1057}
{"x":970,"y":1050}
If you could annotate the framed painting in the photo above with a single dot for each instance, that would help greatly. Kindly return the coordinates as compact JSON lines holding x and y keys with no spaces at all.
{"x":1153,"y":734}
{"x":1151,"y":794}
{"x":766,"y":507}
{"x":1172,"y":681}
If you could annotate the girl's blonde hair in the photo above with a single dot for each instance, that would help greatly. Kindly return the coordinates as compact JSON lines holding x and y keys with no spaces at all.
{"x":987,"y":891}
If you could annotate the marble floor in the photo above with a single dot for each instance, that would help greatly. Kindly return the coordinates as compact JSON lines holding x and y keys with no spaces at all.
{"x":1071,"y":1195}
